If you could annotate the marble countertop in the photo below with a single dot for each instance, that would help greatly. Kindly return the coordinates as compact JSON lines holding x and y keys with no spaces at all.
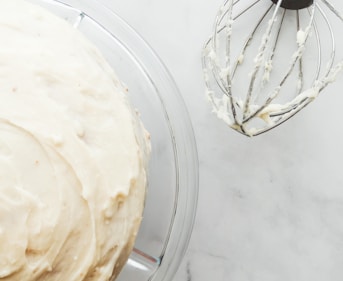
{"x":269,"y":207}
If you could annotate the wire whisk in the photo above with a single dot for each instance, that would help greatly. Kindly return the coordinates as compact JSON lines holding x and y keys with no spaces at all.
{"x":259,"y":75}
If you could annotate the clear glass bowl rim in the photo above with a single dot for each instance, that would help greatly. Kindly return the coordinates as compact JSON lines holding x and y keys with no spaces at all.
{"x":181,"y":129}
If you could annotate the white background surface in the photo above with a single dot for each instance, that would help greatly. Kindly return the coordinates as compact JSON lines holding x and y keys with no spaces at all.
{"x":271,"y":207}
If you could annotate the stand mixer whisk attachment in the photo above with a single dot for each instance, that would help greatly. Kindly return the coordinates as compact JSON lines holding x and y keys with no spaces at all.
{"x":268,"y":59}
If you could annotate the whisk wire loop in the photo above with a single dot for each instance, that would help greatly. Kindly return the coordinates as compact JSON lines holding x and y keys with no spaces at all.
{"x":265,"y":104}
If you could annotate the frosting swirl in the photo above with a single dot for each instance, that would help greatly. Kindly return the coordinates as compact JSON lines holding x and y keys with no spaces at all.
{"x":72,"y":154}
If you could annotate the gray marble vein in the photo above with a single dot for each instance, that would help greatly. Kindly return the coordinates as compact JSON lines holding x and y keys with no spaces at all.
{"x":271,"y":207}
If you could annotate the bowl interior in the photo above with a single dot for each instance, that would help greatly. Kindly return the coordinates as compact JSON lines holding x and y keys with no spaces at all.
{"x":172,"y":190}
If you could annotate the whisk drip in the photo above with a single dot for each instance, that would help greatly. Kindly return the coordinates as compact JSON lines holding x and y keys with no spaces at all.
{"x":258,"y":82}
{"x":295,"y":4}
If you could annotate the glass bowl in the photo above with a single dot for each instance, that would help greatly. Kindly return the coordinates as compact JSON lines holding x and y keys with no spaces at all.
{"x":173,"y":172}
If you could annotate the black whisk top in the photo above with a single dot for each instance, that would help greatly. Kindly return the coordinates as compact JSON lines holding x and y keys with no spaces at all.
{"x":295,"y":4}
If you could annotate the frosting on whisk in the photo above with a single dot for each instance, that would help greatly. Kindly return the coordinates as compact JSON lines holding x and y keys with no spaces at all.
{"x":279,"y":67}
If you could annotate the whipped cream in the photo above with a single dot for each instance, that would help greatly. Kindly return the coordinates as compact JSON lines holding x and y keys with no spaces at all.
{"x":253,"y":102}
{"x":73,"y":154}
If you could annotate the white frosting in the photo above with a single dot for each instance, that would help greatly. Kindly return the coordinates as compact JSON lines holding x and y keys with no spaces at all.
{"x":301,"y":37}
{"x":255,"y":104}
{"x":72,"y":154}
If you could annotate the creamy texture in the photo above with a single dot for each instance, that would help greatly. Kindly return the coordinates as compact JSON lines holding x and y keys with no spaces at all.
{"x":256,"y":104}
{"x":73,"y":154}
